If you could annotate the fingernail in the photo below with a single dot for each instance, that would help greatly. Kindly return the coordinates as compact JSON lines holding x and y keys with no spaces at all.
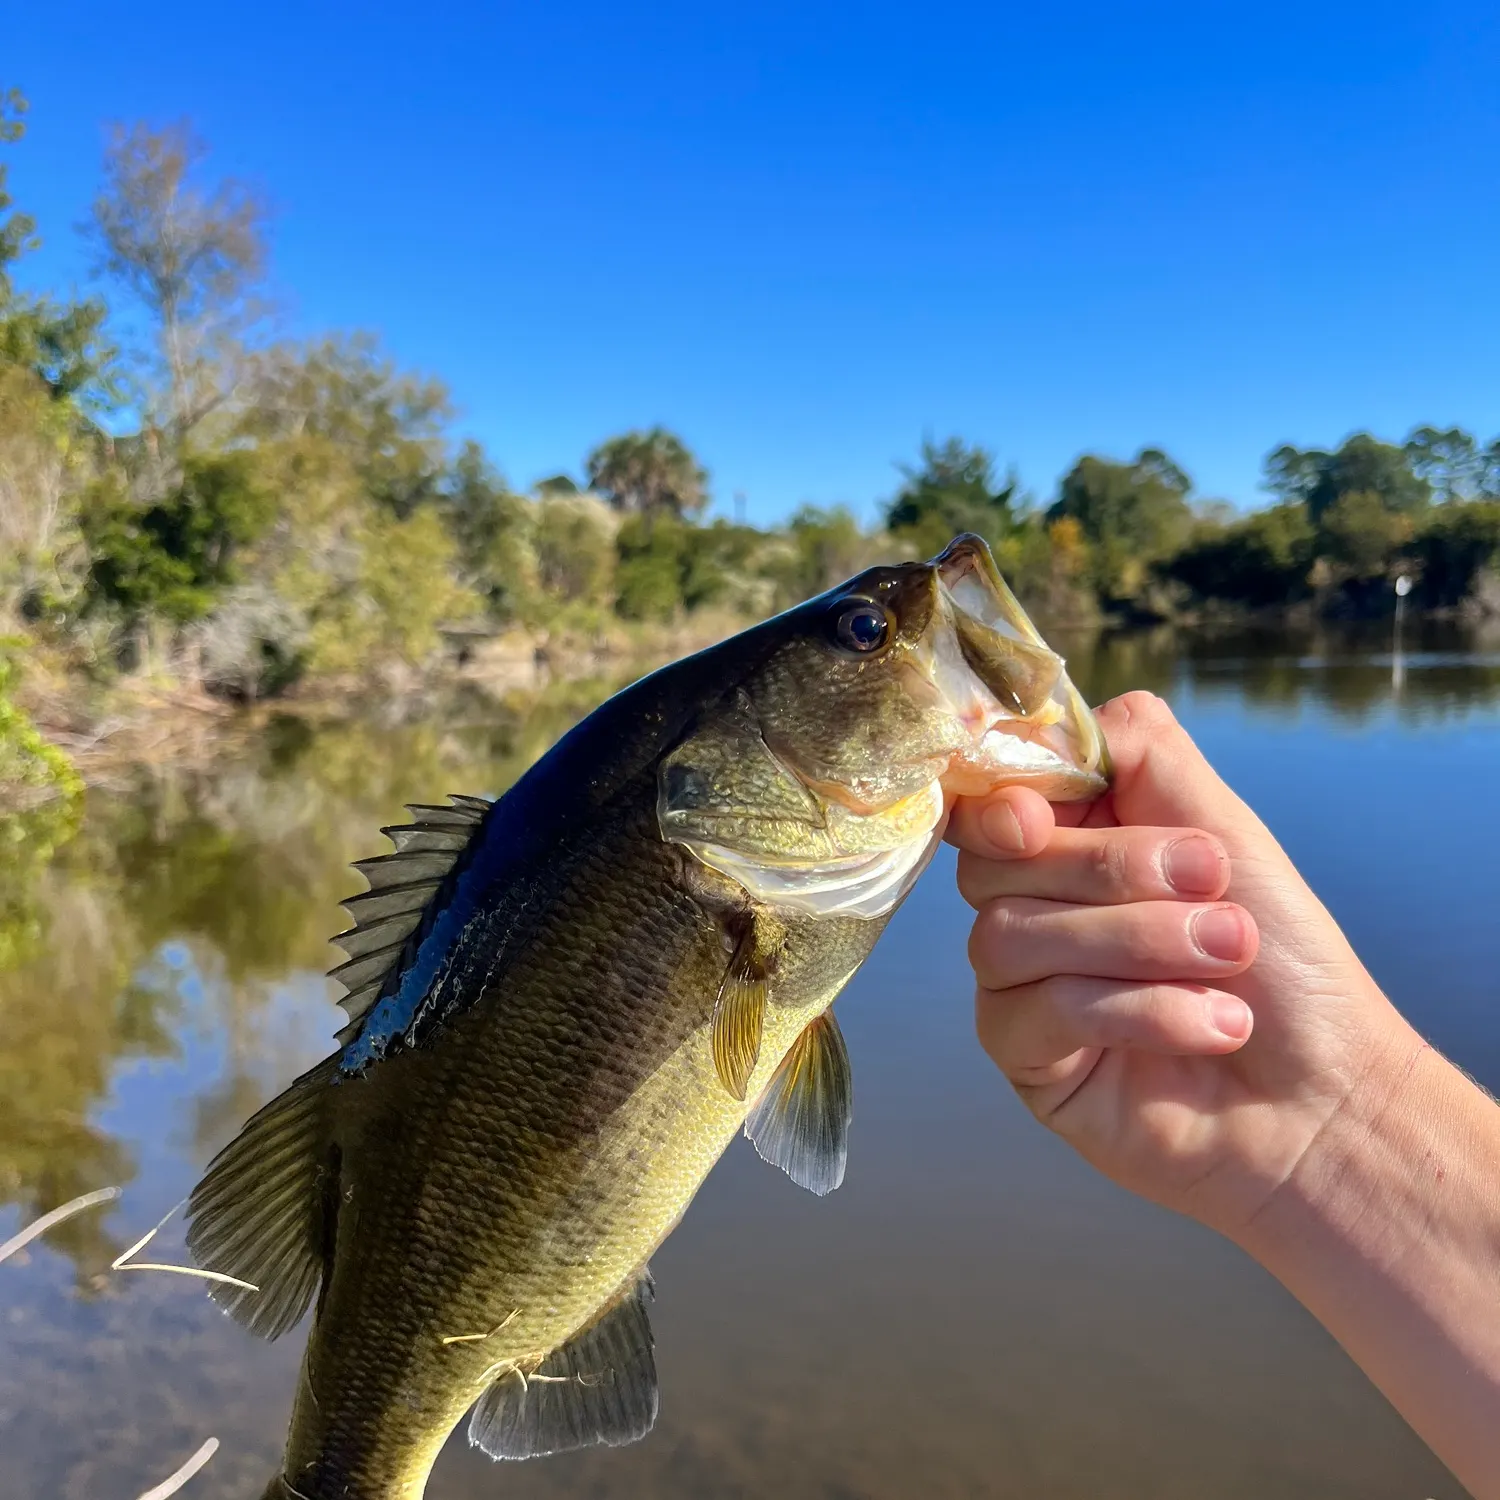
{"x":1230,"y":1017}
{"x":1192,"y":865}
{"x":1220,"y":933}
{"x":1002,"y":827}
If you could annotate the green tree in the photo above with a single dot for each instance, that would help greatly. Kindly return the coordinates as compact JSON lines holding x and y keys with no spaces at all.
{"x":40,"y":460}
{"x":1262,"y":559}
{"x":1361,"y":534}
{"x":170,"y":558}
{"x":1292,"y":473}
{"x":1447,"y":459}
{"x":575,"y":550}
{"x":648,"y":580}
{"x":474,"y":501}
{"x":824,"y":547}
{"x":1489,"y":471}
{"x":649,"y":473}
{"x":1131,"y":514}
{"x":390,"y":424}
{"x":1361,"y":464}
{"x":192,"y":256}
{"x":62,"y":344}
{"x":492,"y":528}
{"x":402,"y":591}
{"x":65,"y":346}
{"x":31,"y":770}
{"x":953,"y":488}
{"x":1458,"y":544}
{"x":17,"y":229}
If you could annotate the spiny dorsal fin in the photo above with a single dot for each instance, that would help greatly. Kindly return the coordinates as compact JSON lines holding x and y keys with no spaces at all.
{"x":259,"y":1212}
{"x":401,"y":886}
{"x":801,"y":1122}
{"x":599,"y":1387}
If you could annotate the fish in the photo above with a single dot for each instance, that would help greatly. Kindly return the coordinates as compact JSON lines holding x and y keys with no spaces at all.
{"x":565,"y":1003}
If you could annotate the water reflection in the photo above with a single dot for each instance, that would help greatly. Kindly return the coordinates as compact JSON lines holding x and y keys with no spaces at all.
{"x":161,"y":975}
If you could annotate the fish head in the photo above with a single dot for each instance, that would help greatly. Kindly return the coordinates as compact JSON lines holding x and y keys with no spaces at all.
{"x":920,"y":672}
{"x":864,"y":711}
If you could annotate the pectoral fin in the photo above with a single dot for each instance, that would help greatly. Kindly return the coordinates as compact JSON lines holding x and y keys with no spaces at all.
{"x":740,"y":1008}
{"x":801,"y":1122}
{"x":600,"y":1387}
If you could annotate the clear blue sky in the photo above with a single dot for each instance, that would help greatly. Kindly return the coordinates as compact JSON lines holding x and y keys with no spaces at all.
{"x":802,"y":235}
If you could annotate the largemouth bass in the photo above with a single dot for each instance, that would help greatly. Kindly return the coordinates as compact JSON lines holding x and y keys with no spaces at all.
{"x":564,"y":1004}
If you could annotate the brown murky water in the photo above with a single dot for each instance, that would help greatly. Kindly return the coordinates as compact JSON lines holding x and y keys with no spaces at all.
{"x":974,"y":1313}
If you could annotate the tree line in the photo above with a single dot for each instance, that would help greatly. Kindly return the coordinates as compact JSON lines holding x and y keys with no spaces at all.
{"x":184,"y":490}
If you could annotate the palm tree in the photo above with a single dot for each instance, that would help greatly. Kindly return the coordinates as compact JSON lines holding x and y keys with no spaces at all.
{"x":649,"y":473}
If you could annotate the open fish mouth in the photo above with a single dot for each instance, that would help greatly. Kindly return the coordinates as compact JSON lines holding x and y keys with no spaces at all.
{"x":1026,"y":721}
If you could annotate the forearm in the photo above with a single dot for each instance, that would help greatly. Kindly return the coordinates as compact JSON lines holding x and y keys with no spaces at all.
{"x":1389,"y":1233}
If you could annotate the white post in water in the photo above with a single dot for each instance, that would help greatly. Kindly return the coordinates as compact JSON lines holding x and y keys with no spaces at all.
{"x":1398,"y":662}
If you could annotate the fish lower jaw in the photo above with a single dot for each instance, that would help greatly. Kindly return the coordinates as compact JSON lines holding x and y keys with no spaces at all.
{"x":1019,"y":752}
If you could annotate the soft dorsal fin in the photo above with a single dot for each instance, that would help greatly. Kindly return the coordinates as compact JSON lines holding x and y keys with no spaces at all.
{"x":401,"y":888}
{"x":261,"y":1211}
{"x":801,"y":1122}
{"x":599,"y":1387}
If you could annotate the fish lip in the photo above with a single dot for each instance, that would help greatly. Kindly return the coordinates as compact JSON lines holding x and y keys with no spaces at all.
{"x":968,"y":557}
{"x":965,"y":554}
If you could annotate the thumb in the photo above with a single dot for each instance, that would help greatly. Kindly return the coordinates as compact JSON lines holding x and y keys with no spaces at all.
{"x":1161,"y":777}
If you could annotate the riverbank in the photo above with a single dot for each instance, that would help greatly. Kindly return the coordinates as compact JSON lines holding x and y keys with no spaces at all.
{"x":72,"y":730}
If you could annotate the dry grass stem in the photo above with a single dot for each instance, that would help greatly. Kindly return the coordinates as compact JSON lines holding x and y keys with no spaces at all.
{"x":479,"y":1338}
{"x":174,"y":1482}
{"x":56,"y":1216}
{"x":122,"y":1262}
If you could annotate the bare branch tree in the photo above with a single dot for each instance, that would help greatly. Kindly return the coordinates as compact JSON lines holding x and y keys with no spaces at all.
{"x":193,"y":256}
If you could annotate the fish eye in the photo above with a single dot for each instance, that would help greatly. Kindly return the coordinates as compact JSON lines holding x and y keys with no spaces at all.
{"x":861,"y":627}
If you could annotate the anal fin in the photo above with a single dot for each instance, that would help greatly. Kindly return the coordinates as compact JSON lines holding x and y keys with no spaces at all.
{"x":801,"y":1122}
{"x":599,"y":1387}
{"x":260,"y":1211}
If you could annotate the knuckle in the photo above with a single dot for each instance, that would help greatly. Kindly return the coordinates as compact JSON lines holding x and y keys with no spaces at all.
{"x":972,"y":877}
{"x":1112,"y":865}
{"x":984,"y":937}
{"x":1158,"y":1132}
{"x":1121,"y":1013}
{"x":1153,"y":935}
{"x":991,"y":1021}
{"x":1153,"y":1005}
{"x":1143,"y":710}
{"x":992,"y":938}
{"x":1002,"y":919}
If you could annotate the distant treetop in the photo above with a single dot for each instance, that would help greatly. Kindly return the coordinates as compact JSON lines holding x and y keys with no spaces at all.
{"x":649,"y":473}
{"x":952,"y":489}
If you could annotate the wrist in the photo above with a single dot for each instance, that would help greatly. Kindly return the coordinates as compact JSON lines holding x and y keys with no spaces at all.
{"x":1356,"y":1159}
{"x":1388,"y":1232}
{"x":1391,"y":1158}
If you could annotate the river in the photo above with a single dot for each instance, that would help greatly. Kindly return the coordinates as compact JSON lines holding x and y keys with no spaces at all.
{"x":975,"y":1313}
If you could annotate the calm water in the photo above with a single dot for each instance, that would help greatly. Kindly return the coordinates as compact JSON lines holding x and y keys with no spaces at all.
{"x":973,"y":1314}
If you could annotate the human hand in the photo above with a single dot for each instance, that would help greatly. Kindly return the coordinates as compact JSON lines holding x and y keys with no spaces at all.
{"x":1159,"y":983}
